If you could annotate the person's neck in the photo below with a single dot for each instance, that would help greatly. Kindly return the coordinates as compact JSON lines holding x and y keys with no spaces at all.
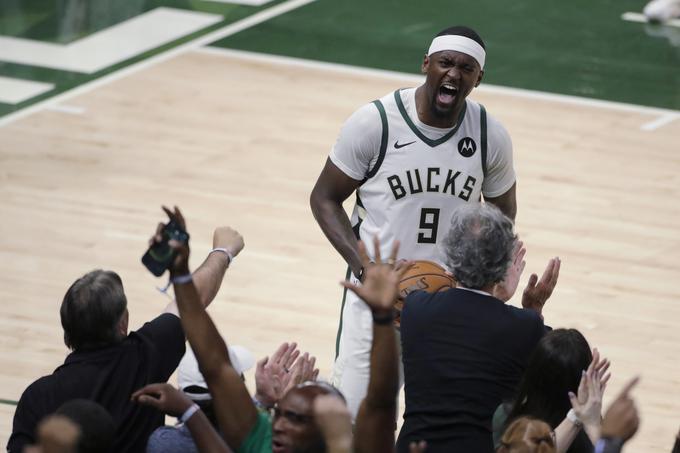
{"x":426,"y":115}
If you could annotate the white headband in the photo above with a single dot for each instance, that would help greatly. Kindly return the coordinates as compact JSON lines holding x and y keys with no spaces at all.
{"x":458,"y":43}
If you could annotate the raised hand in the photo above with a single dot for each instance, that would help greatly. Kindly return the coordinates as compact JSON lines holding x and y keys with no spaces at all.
{"x":506,"y":289}
{"x":335,"y":423}
{"x":303,"y":370}
{"x":229,"y":239}
{"x":285,"y":369}
{"x":272,"y":375}
{"x":538,"y":291}
{"x":380,"y":288}
{"x":622,"y":419}
{"x":163,"y":397}
{"x":588,"y":402}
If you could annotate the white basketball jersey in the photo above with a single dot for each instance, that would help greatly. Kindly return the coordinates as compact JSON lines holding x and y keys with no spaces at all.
{"x":416,"y":183}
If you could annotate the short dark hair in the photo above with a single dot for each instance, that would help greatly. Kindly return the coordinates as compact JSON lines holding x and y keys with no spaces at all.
{"x":91,"y":309}
{"x":463,"y":31}
{"x":97,"y":429}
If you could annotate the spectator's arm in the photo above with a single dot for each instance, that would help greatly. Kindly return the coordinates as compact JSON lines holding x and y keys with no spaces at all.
{"x":375,"y":423}
{"x":235,"y":410}
{"x":171,"y":401}
{"x":335,"y":422}
{"x":209,"y":275}
{"x":676,"y":446}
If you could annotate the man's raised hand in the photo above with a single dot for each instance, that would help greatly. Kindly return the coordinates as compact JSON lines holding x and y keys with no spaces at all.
{"x":380,"y":288}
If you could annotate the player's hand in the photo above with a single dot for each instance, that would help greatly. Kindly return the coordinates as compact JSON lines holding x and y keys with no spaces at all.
{"x":380,"y":288}
{"x":538,"y":291}
{"x":506,"y":289}
{"x":622,"y":419}
{"x":228,"y":238}
{"x":163,"y":397}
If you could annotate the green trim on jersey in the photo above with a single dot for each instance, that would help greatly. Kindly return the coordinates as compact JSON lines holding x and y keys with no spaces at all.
{"x":342,"y":309}
{"x":415,"y":129}
{"x":383,"y":139}
{"x":482,"y":127}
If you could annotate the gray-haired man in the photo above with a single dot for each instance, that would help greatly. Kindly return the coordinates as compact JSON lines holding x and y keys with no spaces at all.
{"x":464,"y":349}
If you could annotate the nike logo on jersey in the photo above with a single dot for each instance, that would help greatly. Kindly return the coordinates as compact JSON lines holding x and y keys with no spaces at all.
{"x":397,"y":145}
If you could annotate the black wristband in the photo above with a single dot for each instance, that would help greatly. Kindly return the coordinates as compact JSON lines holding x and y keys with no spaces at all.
{"x":382,"y":320}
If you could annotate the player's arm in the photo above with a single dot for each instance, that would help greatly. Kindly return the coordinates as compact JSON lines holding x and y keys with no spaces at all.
{"x":500,"y":184}
{"x":331,"y":189}
{"x":507,"y":202}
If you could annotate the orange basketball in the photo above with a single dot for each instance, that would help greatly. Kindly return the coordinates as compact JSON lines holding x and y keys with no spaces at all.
{"x":423,"y":275}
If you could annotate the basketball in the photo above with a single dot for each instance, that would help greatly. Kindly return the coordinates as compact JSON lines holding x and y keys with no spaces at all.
{"x":423,"y":275}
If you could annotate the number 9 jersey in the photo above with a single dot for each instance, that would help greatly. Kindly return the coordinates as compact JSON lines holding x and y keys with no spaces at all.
{"x":414,"y":175}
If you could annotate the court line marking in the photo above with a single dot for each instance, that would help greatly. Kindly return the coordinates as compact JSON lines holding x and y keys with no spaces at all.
{"x":111,"y":45}
{"x":15,"y":91}
{"x":641,"y":18}
{"x":216,"y":35}
{"x":242,"y":2}
{"x":63,"y":108}
{"x":417,"y":79}
{"x":659,"y":122}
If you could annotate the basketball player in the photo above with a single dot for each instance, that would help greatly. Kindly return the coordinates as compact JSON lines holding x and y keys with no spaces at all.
{"x":412,"y":157}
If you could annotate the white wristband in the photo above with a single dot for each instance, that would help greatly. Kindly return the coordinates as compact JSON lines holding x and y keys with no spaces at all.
{"x":572,"y":417}
{"x":225,"y":251}
{"x":189,"y":412}
{"x":182,"y":279}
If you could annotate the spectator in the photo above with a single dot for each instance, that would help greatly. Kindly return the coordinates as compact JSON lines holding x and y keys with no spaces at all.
{"x":464,"y":350}
{"x":556,"y":369}
{"x":527,"y":435}
{"x":168,"y":400}
{"x":620,"y":422}
{"x":292,"y":428}
{"x":107,"y":364}
{"x":178,"y":439}
{"x":96,"y":426}
{"x":55,"y":434}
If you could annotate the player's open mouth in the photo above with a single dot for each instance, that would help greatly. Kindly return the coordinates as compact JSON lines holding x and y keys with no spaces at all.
{"x":447,"y":93}
{"x":278,"y":447}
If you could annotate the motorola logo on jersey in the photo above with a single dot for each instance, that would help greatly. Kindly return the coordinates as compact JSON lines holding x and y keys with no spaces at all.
{"x":467,"y":147}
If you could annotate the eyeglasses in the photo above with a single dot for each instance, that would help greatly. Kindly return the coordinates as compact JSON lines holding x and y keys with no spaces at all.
{"x":293,"y":417}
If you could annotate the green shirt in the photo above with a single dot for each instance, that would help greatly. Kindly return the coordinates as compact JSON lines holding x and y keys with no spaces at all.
{"x":259,"y":438}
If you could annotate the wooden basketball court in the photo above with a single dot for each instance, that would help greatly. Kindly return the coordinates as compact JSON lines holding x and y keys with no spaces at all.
{"x":240,"y":141}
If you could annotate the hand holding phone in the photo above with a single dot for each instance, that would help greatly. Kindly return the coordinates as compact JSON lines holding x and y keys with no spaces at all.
{"x":160,"y":256}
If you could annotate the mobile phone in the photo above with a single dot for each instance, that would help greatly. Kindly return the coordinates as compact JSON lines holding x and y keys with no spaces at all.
{"x":160,"y":256}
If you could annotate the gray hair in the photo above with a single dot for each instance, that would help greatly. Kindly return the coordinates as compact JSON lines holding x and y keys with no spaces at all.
{"x":478,"y":247}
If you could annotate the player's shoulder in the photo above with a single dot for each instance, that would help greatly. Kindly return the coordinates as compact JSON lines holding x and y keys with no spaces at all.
{"x":366,"y":117}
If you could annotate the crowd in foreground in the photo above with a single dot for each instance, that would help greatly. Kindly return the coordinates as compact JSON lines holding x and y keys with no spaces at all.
{"x":480,"y":375}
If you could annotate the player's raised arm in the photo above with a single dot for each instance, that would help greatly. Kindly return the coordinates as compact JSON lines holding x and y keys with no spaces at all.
{"x":331,"y":189}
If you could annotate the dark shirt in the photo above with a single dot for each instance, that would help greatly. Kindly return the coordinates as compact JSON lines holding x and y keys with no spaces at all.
{"x":108,"y":376}
{"x":463,"y":354}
